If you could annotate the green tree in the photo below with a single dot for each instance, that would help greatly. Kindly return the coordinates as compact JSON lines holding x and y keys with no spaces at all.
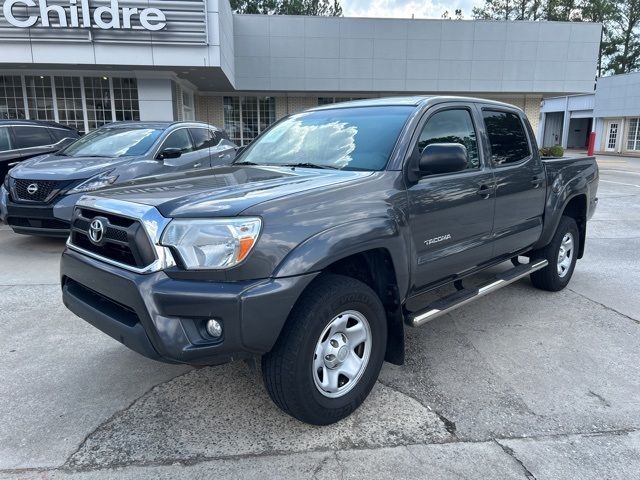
{"x":626,"y":37}
{"x":508,"y":10}
{"x":288,"y":7}
{"x":604,"y":12}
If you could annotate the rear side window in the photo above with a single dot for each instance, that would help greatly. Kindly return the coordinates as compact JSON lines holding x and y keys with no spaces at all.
{"x":506,"y":136}
{"x":179,"y":139}
{"x":5,"y":139}
{"x":28,"y":137}
{"x":202,"y":138}
{"x":452,"y":126}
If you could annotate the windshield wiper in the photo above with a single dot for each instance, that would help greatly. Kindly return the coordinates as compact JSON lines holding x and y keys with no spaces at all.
{"x":310,"y":165}
{"x":244,"y":163}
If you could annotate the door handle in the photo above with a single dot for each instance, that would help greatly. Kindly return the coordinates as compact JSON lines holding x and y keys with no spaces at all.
{"x":197,"y":165}
{"x":222,"y":155}
{"x":485,"y":191}
{"x":537,"y":181}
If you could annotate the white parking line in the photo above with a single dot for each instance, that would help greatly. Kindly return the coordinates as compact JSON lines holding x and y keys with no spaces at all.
{"x":620,"y":183}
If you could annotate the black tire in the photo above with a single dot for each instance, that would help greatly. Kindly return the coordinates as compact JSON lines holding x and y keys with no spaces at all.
{"x":288,"y":370}
{"x":549,"y":278}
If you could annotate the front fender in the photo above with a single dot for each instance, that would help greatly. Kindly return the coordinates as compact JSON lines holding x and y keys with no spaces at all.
{"x":321,"y":250}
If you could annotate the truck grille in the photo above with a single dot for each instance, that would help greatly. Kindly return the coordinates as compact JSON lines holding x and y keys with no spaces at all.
{"x":41,"y":191}
{"x":120,"y":239}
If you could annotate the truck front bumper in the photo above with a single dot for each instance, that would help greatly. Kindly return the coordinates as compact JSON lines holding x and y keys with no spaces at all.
{"x":164,"y":319}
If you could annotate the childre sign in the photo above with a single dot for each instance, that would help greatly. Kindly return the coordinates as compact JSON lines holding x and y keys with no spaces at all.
{"x":78,"y":15}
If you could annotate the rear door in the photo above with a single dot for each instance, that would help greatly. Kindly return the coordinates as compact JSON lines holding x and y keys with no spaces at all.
{"x":223,"y":150}
{"x":520,"y":180}
{"x":451,"y":215}
{"x":32,"y":140}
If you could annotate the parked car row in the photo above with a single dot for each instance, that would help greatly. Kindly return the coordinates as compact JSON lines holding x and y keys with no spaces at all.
{"x":40,"y":192}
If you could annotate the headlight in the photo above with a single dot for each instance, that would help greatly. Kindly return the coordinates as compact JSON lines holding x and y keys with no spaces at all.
{"x":212,"y":244}
{"x":5,"y":184}
{"x":101,"y":180}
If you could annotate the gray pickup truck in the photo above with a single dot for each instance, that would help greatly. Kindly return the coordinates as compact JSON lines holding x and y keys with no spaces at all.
{"x":319,"y":244}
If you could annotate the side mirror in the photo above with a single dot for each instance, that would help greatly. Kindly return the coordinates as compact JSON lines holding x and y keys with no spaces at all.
{"x":443,"y":158}
{"x":169,"y":153}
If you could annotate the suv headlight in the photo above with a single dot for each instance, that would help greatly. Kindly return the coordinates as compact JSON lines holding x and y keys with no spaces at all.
{"x":97,"y":182}
{"x":5,"y":183}
{"x":212,"y":244}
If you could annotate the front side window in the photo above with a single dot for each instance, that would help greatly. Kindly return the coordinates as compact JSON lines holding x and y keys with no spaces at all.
{"x":348,"y":138}
{"x":179,"y":139}
{"x":113,"y":142}
{"x":29,"y":137}
{"x":452,"y":126}
{"x":5,"y":139}
{"x":507,"y":138}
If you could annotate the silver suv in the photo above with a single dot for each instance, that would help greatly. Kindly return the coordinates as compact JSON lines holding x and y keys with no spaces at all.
{"x":38,"y":195}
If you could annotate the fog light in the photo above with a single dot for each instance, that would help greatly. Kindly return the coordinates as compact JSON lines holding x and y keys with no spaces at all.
{"x":214,"y":328}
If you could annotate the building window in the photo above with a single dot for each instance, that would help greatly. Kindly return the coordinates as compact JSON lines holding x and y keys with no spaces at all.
{"x":11,"y":98}
{"x":40,"y":98}
{"x":125,"y":99}
{"x":633,"y":139}
{"x":188,"y":109}
{"x":84,"y":103}
{"x":69,"y":102}
{"x":98,"y":94}
{"x":331,"y":100}
{"x":246,"y":117}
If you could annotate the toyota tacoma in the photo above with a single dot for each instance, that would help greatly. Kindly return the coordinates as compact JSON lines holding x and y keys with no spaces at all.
{"x":316,"y":248}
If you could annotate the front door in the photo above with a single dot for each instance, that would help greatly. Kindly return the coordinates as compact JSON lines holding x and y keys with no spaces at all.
{"x":190,"y":159}
{"x":451,"y":215}
{"x":613,"y":134}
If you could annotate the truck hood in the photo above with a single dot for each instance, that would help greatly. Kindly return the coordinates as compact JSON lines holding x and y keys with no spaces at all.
{"x":225,"y":191}
{"x":54,"y":167}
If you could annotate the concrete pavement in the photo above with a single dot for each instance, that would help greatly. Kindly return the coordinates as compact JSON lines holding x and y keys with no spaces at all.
{"x":521,"y":384}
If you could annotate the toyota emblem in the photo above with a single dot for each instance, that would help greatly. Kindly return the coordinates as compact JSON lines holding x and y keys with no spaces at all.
{"x":32,"y":189}
{"x":96,"y":231}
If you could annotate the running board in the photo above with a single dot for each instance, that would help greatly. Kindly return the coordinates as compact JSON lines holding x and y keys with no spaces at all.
{"x":468,"y":295}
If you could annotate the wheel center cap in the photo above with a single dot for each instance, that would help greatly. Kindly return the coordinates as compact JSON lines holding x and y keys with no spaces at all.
{"x":342,"y":353}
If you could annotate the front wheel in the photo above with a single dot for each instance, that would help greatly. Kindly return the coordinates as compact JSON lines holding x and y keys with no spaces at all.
{"x":329,"y":353}
{"x":561,"y":253}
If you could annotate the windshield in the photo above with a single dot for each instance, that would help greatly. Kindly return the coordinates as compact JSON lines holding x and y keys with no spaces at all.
{"x":113,"y":142}
{"x":346,"y":138}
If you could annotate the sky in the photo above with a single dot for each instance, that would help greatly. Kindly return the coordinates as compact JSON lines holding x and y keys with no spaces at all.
{"x":406,"y":8}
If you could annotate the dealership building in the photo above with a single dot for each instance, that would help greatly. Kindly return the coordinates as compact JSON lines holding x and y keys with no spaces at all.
{"x":89,"y":62}
{"x":612,"y":113}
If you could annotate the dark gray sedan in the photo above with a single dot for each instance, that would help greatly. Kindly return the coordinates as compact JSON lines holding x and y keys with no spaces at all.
{"x":38,"y":195}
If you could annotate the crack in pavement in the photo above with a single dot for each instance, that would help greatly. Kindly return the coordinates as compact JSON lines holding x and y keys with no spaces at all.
{"x":606,"y":307}
{"x":116,"y":415}
{"x":332,"y":453}
{"x":449,"y":426}
{"x":512,"y":454}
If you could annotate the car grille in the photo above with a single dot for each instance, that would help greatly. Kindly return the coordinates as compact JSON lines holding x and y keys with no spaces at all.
{"x":123,"y":239}
{"x":41,"y":191}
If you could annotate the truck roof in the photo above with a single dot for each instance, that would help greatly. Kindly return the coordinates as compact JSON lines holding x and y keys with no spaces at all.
{"x":412,"y":101}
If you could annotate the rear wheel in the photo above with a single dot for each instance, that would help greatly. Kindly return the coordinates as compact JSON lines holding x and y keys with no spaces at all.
{"x":329,"y":353}
{"x":561,"y":253}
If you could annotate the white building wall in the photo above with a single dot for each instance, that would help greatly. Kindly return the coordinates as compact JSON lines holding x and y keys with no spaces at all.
{"x":155,"y":99}
{"x":278,"y":53}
